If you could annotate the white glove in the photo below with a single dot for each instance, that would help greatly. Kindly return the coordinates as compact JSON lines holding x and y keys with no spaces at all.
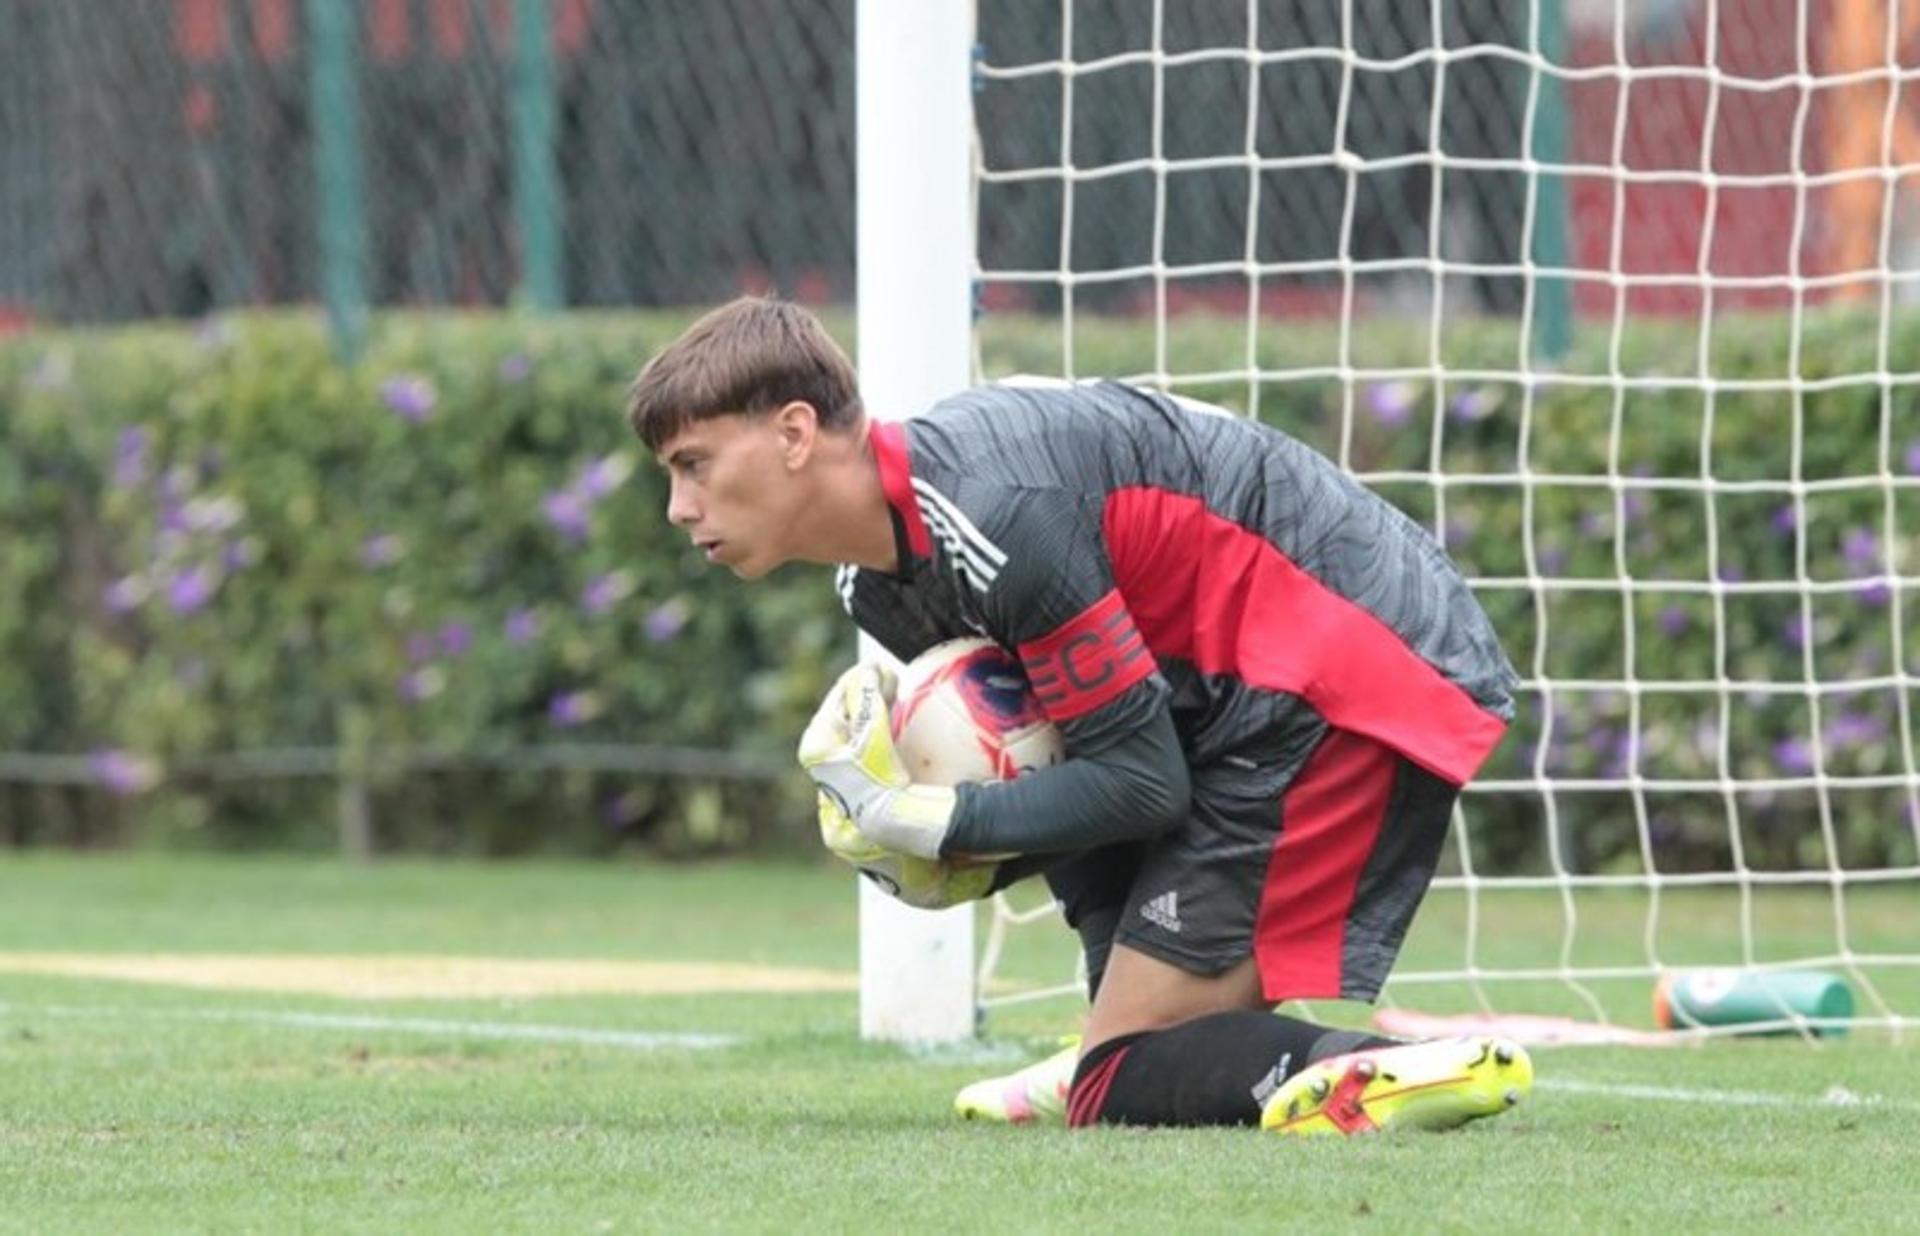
{"x":927,"y":884}
{"x":848,"y":751}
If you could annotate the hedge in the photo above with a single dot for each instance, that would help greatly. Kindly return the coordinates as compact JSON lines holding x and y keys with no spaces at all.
{"x":220,"y":540}
{"x":223,"y":541}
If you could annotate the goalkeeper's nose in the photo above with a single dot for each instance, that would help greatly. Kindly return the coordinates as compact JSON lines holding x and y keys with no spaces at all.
{"x":682,"y":510}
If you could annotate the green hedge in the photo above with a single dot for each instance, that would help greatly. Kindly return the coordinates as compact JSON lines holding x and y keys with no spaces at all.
{"x":220,"y":540}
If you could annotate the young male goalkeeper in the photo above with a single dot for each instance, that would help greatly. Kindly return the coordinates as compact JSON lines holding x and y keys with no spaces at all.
{"x":1271,"y":685}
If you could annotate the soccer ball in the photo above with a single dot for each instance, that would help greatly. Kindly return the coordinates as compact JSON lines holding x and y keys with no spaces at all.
{"x":962,"y":712}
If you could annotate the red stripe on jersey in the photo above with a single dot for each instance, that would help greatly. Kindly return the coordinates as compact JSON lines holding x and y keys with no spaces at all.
{"x":896,"y":479}
{"x":1086,"y":660}
{"x":1207,"y":590}
{"x":1329,"y":820}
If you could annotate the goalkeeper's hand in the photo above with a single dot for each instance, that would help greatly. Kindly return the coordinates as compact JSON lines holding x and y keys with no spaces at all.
{"x":848,"y":751}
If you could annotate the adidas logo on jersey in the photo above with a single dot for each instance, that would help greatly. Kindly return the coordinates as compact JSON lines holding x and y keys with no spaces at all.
{"x":1163,"y":911}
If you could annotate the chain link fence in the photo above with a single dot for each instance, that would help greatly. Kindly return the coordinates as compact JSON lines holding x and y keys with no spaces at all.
{"x":172,"y":157}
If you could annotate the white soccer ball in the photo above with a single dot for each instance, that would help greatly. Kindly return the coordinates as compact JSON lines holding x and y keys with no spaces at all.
{"x":962,"y":711}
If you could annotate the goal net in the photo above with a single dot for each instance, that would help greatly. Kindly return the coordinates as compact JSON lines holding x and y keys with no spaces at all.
{"x":1617,"y":298}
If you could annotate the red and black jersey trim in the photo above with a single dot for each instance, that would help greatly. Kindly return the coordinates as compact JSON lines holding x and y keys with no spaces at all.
{"x":896,"y":480}
{"x":1087,"y":660}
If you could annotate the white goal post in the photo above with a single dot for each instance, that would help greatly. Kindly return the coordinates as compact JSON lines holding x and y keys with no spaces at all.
{"x":1619,"y":298}
{"x":915,"y":287}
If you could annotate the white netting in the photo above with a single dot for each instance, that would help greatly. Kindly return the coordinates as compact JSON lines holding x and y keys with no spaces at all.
{"x":1613,"y":297}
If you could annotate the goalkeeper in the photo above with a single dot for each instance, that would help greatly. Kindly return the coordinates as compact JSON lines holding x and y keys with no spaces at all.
{"x":1271,"y":685}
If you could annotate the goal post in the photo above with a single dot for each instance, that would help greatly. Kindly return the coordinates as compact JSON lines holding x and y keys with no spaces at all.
{"x":913,"y":202}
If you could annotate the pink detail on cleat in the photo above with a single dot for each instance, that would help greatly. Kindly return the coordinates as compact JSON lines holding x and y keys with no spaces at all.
{"x":1019,"y":1109}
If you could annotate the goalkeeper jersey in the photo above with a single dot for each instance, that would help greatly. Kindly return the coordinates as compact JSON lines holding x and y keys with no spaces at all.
{"x":1140,"y":551}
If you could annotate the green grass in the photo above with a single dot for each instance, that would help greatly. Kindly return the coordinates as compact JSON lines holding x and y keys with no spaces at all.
{"x":146,"y":1108}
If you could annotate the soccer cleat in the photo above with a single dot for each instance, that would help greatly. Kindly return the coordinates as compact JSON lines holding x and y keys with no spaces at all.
{"x":1036,"y":1094}
{"x":1432,"y":1085}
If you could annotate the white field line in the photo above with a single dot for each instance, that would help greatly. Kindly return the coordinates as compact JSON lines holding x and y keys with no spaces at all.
{"x":1836,"y":1097}
{"x":632,"y":1040}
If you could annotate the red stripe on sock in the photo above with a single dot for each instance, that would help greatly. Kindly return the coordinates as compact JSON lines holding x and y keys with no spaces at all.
{"x":1089,"y":1093}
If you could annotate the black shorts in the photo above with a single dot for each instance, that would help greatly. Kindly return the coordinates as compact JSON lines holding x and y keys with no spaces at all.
{"x":1312,"y":866}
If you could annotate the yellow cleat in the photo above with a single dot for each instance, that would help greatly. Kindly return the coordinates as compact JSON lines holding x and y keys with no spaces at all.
{"x":1036,"y":1094}
{"x":1433,"y":1085}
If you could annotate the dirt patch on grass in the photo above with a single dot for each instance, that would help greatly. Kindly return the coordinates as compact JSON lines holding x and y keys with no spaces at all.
{"x":414,"y":978}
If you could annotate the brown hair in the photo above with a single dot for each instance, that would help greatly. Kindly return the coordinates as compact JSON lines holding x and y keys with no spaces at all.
{"x":751,"y":356}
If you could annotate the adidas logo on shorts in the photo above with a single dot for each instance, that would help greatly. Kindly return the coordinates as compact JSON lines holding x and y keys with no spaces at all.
{"x":1163,"y":911}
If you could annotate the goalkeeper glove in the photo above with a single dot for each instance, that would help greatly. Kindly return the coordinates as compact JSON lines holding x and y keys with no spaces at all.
{"x":848,"y":751}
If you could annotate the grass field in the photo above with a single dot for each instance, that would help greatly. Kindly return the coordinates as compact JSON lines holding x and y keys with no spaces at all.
{"x":132,"y":1106}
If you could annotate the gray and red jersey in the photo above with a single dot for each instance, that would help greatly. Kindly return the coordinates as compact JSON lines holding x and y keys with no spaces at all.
{"x":1140,"y":551}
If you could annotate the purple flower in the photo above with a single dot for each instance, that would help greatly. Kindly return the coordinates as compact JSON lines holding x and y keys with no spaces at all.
{"x":1874,"y":593}
{"x":421,"y":684}
{"x":122,"y":772}
{"x":1913,"y":456}
{"x":409,"y":396}
{"x":515,"y":368}
{"x":1475,"y":405}
{"x":420,"y":647}
{"x":1785,"y":520}
{"x":1674,"y":619}
{"x":130,"y":457}
{"x":456,"y":637}
{"x":1595,"y":524}
{"x":1794,"y":631}
{"x":1392,"y":402}
{"x":1619,"y":765}
{"x":173,"y":512}
{"x":567,"y":512}
{"x":238,"y":555}
{"x":125,"y":594}
{"x":522,"y":626}
{"x":1553,"y":560}
{"x":1633,"y":504}
{"x":191,"y":589}
{"x":603,"y":592}
{"x":1794,"y":756}
{"x":603,"y":476}
{"x":378,"y":551}
{"x":666,"y":620}
{"x":1732,"y":575}
{"x":1861,"y":548}
{"x":1854,"y":729}
{"x":571,"y":708}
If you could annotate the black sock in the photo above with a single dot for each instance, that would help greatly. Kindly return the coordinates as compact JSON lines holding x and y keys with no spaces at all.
{"x":1217,"y":1069}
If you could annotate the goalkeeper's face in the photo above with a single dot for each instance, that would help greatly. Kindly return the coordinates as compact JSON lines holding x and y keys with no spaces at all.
{"x":734,"y":487}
